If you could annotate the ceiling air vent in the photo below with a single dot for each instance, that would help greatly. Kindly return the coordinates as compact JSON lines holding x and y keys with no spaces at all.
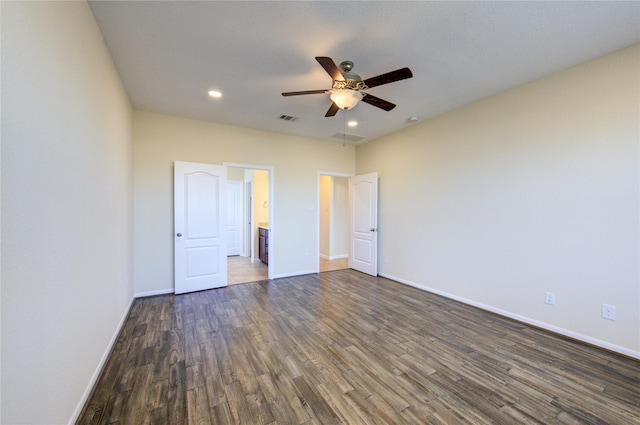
{"x":288,"y":118}
{"x":347,"y":137}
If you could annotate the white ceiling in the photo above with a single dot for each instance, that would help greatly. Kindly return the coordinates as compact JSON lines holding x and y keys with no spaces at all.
{"x":169,"y":54}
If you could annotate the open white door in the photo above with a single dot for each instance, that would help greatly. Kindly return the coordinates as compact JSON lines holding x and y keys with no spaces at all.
{"x":363,"y":254}
{"x":200,"y":247}
{"x":234,"y":218}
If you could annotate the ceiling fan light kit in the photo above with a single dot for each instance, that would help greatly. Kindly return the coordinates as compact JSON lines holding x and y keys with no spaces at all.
{"x":346,"y":98}
{"x":348,"y":88}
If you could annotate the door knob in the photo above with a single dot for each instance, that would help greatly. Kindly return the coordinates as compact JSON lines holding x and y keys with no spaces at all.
{"x":372,"y":229}
{"x":178,"y":234}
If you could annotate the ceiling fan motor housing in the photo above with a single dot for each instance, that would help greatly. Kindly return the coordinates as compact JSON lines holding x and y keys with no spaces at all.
{"x":346,"y":68}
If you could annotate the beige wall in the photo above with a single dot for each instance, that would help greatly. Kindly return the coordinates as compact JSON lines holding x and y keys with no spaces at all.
{"x":334,"y":217}
{"x":340,"y":217}
{"x":235,"y":174}
{"x":159,"y":140}
{"x":66,"y":208}
{"x":533,"y":190}
{"x":325,"y":216}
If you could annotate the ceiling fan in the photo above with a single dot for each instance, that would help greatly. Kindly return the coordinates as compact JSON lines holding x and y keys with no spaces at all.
{"x":348,"y":88}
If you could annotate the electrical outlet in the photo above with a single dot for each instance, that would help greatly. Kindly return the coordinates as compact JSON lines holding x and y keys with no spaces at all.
{"x":385,"y":258}
{"x":550,"y":298}
{"x":306,"y":256}
{"x":609,"y":311}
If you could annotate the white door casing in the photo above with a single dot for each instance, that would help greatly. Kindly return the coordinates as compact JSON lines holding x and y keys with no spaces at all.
{"x":363,"y":253}
{"x":200,"y":249}
{"x":234,"y":217}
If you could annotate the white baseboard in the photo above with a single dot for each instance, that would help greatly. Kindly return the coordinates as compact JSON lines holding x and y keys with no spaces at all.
{"x":338,"y":257}
{"x":152,"y":293}
{"x":103,"y":361}
{"x":584,"y":338}
{"x":334,"y":257}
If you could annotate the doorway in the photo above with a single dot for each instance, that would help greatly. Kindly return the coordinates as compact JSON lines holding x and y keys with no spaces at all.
{"x":254,"y":215}
{"x":333,"y":190}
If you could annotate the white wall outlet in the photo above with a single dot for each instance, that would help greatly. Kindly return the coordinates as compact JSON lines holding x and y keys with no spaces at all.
{"x":306,"y":256}
{"x":385,"y":258}
{"x":609,"y":311}
{"x":550,"y":298}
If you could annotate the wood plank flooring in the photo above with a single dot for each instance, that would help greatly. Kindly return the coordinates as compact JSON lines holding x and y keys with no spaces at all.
{"x":345,"y":348}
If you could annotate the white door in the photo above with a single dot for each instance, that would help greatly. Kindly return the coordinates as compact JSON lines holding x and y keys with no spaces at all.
{"x":200,"y":247}
{"x":234,"y":218}
{"x":248,"y":220}
{"x":363,"y":254}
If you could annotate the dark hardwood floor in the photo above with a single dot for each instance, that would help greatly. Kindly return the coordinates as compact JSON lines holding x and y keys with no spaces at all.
{"x":345,"y":348}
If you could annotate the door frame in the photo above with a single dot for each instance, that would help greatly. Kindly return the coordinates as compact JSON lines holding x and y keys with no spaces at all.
{"x":331,"y":174}
{"x":272,"y":245}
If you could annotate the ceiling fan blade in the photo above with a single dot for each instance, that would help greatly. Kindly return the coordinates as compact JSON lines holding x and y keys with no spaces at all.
{"x":376,"y":101}
{"x":298,"y":93}
{"x":333,"y":109}
{"x":330,"y":66}
{"x":389,"y":77}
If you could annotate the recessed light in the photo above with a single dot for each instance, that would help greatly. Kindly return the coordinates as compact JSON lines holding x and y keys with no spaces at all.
{"x":352,"y":123}
{"x":215,"y":93}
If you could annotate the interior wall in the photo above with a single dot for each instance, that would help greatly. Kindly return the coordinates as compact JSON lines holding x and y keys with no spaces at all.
{"x":235,"y":174}
{"x":339,"y":217}
{"x":325,"y":216}
{"x":159,"y":140}
{"x":66,"y":208}
{"x":533,"y":190}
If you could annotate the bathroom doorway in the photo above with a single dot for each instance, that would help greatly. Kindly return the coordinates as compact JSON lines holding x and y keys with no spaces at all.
{"x":250,"y":215}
